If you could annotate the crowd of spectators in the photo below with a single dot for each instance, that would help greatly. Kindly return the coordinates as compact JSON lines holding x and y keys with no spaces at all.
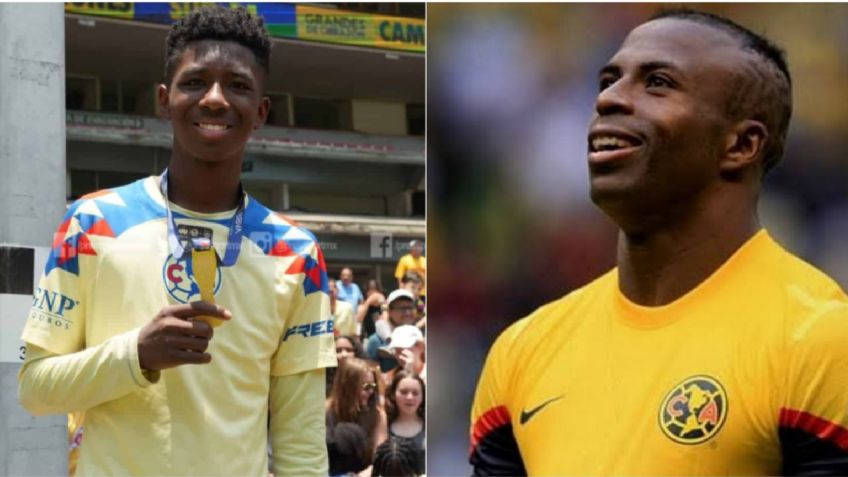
{"x":376,"y":396}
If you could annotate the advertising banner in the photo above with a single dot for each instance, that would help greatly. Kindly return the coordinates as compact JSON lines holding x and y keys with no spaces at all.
{"x":285,"y":20}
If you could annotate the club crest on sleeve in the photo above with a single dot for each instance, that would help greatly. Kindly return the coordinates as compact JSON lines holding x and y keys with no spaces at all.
{"x":694,"y":410}
{"x":179,"y":280}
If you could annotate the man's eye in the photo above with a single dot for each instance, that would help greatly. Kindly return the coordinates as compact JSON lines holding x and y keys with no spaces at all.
{"x":193,"y":83}
{"x":606,"y":82}
{"x":241,"y":85}
{"x":658,"y":81}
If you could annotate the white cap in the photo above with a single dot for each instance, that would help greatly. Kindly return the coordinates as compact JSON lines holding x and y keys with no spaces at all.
{"x":400,"y":293}
{"x":405,"y":337}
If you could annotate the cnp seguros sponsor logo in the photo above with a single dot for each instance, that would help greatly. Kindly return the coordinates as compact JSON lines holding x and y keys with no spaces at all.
{"x":52,"y":308}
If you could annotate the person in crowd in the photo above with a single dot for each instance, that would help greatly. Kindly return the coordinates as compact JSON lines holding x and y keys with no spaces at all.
{"x":370,"y":310}
{"x":407,"y":347}
{"x":355,"y":399}
{"x":341,"y":312}
{"x":412,"y":281}
{"x":349,"y":346}
{"x":395,"y":458}
{"x":413,"y":262}
{"x":346,"y":347}
{"x":373,"y":287}
{"x":348,"y":290}
{"x":347,"y":449}
{"x":401,"y":311}
{"x":405,"y":404}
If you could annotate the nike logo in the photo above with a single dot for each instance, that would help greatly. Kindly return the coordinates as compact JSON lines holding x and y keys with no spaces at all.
{"x":526,"y":415}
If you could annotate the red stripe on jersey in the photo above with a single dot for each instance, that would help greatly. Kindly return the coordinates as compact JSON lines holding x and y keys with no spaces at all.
{"x":84,"y":246}
{"x":488,"y":422}
{"x":821,"y":428}
{"x":315,"y":276}
{"x":65,"y":252}
{"x":281,"y":249}
{"x":101,"y":227}
{"x":59,"y":236}
{"x":298,"y":266}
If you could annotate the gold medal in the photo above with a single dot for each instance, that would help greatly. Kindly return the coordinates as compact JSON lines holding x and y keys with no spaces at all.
{"x":204,"y":264}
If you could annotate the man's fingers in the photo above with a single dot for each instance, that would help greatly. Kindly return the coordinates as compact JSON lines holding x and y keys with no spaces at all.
{"x":197,"y":308}
{"x":189,"y":343}
{"x":190,"y":357}
{"x":188,"y":327}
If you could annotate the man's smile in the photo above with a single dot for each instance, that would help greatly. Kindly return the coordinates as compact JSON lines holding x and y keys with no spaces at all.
{"x":213,"y":126}
{"x":607,"y":145}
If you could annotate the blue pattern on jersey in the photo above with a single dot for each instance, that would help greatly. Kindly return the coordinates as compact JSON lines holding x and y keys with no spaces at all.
{"x":139,"y":208}
{"x":267,"y":235}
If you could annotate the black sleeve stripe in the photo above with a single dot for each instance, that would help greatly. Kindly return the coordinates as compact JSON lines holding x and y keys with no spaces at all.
{"x":494,"y":450}
{"x":811,"y":445}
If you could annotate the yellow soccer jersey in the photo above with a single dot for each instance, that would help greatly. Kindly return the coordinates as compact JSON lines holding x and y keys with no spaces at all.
{"x":109,"y":274}
{"x":747,"y":374}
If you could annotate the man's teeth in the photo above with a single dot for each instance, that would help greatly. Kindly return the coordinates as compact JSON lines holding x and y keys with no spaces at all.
{"x":213,"y":127}
{"x":607,"y":143}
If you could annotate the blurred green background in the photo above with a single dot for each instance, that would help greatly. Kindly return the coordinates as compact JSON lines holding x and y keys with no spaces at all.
{"x":511,"y":88}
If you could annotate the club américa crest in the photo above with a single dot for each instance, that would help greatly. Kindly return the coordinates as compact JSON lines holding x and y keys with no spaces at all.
{"x":180,"y":283}
{"x":694,"y":410}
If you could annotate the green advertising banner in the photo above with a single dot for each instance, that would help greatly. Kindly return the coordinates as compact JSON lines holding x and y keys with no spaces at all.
{"x":285,"y":20}
{"x":360,"y":29}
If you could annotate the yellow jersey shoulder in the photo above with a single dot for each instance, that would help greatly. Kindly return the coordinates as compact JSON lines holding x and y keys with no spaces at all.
{"x":806,"y":293}
{"x":553,"y":317}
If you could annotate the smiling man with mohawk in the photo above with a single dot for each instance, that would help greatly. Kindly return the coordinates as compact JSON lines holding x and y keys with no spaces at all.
{"x":140,"y":275}
{"x":709,"y":349}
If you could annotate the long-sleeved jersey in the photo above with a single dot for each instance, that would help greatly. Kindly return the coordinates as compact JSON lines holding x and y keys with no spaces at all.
{"x":110,"y":272}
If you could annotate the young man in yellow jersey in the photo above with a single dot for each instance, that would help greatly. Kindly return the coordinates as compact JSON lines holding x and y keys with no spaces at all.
{"x":709,"y":349}
{"x":118,"y":318}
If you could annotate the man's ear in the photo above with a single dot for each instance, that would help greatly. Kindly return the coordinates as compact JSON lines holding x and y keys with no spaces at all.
{"x":262,"y":113}
{"x":745,"y":145}
{"x":162,"y":99}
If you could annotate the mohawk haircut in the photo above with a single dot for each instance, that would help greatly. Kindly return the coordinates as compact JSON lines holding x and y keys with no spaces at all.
{"x":216,"y":22}
{"x":765,"y":94}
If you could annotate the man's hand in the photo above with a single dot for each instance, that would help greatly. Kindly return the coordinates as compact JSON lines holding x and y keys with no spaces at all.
{"x":174,"y":338}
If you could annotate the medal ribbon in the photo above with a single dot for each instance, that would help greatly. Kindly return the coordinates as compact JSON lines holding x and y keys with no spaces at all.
{"x":233,"y":238}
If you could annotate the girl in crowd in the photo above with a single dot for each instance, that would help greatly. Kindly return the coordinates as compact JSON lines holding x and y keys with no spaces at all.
{"x":346,"y":346}
{"x":369,"y":310}
{"x":405,"y":408}
{"x":354,"y":399}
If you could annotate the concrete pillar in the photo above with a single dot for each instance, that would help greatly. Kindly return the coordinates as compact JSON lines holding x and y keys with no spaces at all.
{"x":400,"y":204}
{"x":280,"y":198}
{"x":32,"y":202}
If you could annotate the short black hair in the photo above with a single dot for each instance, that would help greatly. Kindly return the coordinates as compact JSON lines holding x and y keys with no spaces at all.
{"x":216,"y":22}
{"x":767,"y":96}
{"x":395,"y":457}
